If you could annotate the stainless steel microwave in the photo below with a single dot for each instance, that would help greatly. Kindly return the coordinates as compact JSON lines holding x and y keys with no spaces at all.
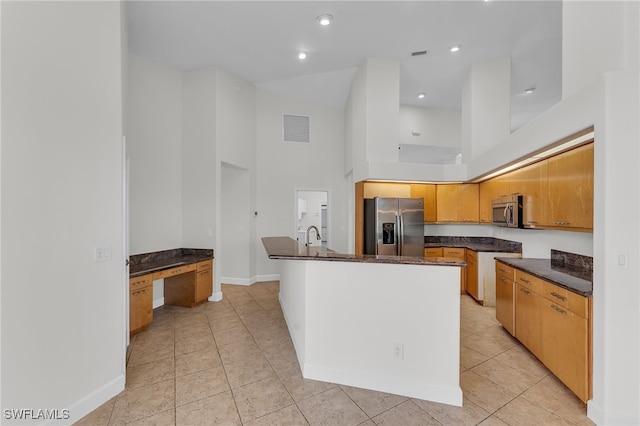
{"x":507,"y":211}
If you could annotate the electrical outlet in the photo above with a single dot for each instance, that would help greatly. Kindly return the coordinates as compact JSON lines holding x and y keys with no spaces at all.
{"x":398,"y":351}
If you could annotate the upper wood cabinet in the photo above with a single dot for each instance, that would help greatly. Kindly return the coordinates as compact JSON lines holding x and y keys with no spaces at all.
{"x":571,"y":189}
{"x":428,"y":193}
{"x":490,"y":190}
{"x":532,"y":183}
{"x":457,"y":203}
{"x":386,"y":189}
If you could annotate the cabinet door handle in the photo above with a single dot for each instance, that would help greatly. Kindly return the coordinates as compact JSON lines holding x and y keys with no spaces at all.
{"x":557,"y":296}
{"x":140,"y":292}
{"x":525,"y":280}
{"x":555,"y":308}
{"x":525,"y":291}
{"x":562,"y":223}
{"x":502,"y":270}
{"x":504,"y":280}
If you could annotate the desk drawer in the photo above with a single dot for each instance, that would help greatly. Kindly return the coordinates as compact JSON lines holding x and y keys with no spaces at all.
{"x":140,"y":282}
{"x":174,"y":271}
{"x":205,"y":265}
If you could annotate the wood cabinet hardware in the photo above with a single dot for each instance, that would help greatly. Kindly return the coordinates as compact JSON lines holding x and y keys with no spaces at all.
{"x":524,"y":280}
{"x":556,"y":295}
{"x":555,"y":308}
{"x":525,"y":291}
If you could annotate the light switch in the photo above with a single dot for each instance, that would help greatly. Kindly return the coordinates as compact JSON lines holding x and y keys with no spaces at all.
{"x":623,"y":260}
{"x":102,"y":253}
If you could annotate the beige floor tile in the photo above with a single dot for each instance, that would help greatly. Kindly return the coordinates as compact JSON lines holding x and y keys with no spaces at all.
{"x":282,"y":361}
{"x":276,"y":341}
{"x":149,"y":373}
{"x":223,"y":324}
{"x":98,"y":417}
{"x":406,"y":414}
{"x":487,"y":345}
{"x":521,"y":359}
{"x":521,"y":412}
{"x":196,"y":343}
{"x":373,"y":402}
{"x":147,"y":352}
{"x":196,"y":361}
{"x":224,"y":336}
{"x":164,"y":418}
{"x":492,"y":421}
{"x":218,"y":409}
{"x":483,"y":392}
{"x":287,"y":416}
{"x":469,"y":358}
{"x":250,"y":370}
{"x":201,"y":384}
{"x":554,"y":396}
{"x":135,"y":404}
{"x":506,"y":376}
{"x":189,"y":331}
{"x":260,"y":398}
{"x":468,"y":414}
{"x":300,"y":388}
{"x":234,"y":353}
{"x":332,"y":407}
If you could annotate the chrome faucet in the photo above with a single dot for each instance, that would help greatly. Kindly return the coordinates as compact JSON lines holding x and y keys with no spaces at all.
{"x":308,"y":243}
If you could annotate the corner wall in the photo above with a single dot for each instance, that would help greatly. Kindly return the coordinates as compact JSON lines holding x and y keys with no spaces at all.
{"x":62,"y":313}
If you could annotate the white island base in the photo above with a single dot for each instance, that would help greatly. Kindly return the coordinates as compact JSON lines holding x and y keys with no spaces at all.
{"x":388,"y":327}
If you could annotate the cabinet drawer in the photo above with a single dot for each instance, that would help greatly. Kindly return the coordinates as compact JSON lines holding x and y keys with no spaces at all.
{"x":455,"y":252}
{"x":567,"y":299}
{"x":504,"y":271}
{"x":203,"y":266}
{"x":140,"y":282}
{"x":174,"y":271}
{"x":433,"y":252}
{"x":529,"y":281}
{"x":471,"y":256}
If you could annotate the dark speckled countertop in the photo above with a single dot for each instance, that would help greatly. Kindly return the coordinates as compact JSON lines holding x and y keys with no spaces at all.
{"x":480,"y":244}
{"x":288,"y":248}
{"x":141,"y":264}
{"x":567,"y":270}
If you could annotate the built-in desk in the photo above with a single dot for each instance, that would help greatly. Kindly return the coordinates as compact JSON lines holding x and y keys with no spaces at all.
{"x":187,"y":275}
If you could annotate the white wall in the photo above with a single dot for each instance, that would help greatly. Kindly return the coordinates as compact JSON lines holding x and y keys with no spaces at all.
{"x":437,"y":126}
{"x":63,"y":314}
{"x":234,"y":259}
{"x":155,"y":153}
{"x":486,"y":113}
{"x":285,"y":167}
{"x":383,"y":109}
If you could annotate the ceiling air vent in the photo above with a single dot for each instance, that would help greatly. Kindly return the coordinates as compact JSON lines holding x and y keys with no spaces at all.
{"x":295,"y":128}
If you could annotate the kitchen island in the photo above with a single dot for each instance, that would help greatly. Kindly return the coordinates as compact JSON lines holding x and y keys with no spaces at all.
{"x":385,"y":323}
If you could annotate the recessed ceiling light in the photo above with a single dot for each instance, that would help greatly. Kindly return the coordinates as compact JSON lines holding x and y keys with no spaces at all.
{"x":420,"y":95}
{"x":455,"y":48}
{"x":530,"y":90}
{"x":324,"y":20}
{"x":302,"y":55}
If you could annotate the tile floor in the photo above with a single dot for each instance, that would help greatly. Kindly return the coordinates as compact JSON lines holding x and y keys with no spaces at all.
{"x":232,"y":363}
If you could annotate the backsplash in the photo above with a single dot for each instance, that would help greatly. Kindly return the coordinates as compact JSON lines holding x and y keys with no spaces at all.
{"x":507,"y":244}
{"x":571,"y":260}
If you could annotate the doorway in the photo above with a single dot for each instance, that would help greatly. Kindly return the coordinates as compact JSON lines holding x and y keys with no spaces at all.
{"x":312,"y":209}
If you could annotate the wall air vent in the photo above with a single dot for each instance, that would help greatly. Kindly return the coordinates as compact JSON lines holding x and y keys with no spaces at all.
{"x":295,"y":128}
{"x":419,"y":53}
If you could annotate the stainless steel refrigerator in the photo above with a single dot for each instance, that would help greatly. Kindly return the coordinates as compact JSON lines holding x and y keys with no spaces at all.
{"x":394,"y":226}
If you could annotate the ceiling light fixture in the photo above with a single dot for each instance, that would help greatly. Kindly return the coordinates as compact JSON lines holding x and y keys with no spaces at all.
{"x":302,"y":55}
{"x":420,"y":95}
{"x":455,"y":48}
{"x":324,"y":20}
{"x":530,"y":90}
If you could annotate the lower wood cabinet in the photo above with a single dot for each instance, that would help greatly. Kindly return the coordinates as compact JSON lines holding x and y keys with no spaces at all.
{"x":554,"y":324}
{"x":506,"y":297}
{"x":472,"y":273}
{"x":204,"y":280}
{"x":140,"y":303}
{"x":457,"y":253}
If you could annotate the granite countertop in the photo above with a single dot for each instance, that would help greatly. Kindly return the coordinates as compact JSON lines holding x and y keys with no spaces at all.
{"x":288,"y":248}
{"x":479,"y":244}
{"x":141,"y":264}
{"x":575,"y":278}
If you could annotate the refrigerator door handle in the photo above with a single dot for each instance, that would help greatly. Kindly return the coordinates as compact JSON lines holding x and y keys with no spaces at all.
{"x":401,"y":235}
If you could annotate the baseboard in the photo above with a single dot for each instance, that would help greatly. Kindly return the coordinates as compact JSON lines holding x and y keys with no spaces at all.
{"x":90,"y":402}
{"x":249,"y":281}
{"x":600,"y":417}
{"x":215,"y":297}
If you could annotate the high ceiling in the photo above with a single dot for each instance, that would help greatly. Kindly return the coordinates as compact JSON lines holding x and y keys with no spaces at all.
{"x":260,"y":41}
